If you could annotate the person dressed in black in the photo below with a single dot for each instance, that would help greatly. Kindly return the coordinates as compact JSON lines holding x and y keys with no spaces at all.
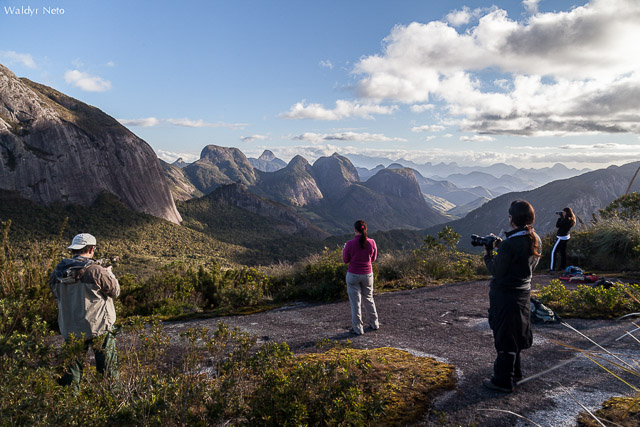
{"x":510,"y":287}
{"x":566,"y":220}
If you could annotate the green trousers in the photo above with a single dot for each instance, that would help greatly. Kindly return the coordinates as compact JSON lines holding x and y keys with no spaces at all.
{"x":104,"y":349}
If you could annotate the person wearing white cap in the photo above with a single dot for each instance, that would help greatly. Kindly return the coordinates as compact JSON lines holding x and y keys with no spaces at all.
{"x":85,"y":292}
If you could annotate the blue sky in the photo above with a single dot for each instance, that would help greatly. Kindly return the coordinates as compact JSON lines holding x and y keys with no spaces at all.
{"x":529,"y":83}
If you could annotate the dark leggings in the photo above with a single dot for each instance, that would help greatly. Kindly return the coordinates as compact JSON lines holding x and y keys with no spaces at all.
{"x":559,"y":248}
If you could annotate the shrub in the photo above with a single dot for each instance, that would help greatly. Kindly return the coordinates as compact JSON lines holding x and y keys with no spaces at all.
{"x":625,"y":207}
{"x":592,"y":301}
{"x":24,"y":279}
{"x":437,"y":259}
{"x":319,"y":277}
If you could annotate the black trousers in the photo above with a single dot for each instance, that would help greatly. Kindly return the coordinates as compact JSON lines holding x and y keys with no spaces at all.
{"x":560,"y":248}
{"x":510,"y":321}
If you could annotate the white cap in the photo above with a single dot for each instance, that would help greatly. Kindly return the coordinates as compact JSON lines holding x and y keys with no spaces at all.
{"x":82,"y":240}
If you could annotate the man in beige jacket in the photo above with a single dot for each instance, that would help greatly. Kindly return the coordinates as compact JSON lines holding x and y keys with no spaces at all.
{"x":85,"y":292}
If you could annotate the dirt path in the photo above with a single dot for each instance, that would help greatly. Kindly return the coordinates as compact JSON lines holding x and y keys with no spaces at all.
{"x":449,"y":323}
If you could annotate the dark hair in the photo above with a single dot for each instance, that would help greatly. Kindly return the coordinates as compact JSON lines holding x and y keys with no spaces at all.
{"x":523,"y":216}
{"x":361,"y":227}
{"x":570,"y":216}
{"x":82,"y":251}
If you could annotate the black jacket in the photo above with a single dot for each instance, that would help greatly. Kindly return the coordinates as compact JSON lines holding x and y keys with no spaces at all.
{"x":563,"y":225}
{"x":513,"y":266}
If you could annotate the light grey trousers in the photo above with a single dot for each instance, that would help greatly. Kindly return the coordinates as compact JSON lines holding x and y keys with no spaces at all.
{"x":360,"y":290}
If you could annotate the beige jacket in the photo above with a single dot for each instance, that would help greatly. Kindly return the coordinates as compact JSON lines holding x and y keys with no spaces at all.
{"x":84,"y":291}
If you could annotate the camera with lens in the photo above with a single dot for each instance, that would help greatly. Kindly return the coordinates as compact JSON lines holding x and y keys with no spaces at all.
{"x":489,"y":241}
{"x":559,"y":213}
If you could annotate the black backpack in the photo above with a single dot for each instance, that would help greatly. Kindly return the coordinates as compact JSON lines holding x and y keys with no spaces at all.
{"x":540,"y":313}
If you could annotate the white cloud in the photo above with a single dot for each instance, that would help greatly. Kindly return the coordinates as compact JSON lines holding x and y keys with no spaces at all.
{"x":419,"y":108}
{"x":326,"y":64}
{"x":430,"y":138}
{"x":145,"y":123}
{"x":252,"y":138}
{"x":427,"y":128}
{"x":170,"y":156}
{"x":11,"y":57}
{"x":111,"y":64}
{"x":183,"y":122}
{"x":574,"y":72}
{"x":519,"y":156}
{"x":465,"y":15}
{"x":343,"y":110}
{"x":459,"y":17}
{"x":477,"y":138}
{"x":86,"y":81}
{"x":346,"y":136}
{"x":531,"y":6}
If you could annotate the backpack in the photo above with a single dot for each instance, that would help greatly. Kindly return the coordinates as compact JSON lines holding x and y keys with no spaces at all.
{"x":572,"y":269}
{"x":540,"y":313}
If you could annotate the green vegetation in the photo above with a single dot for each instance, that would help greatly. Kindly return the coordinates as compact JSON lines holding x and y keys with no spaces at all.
{"x":213,"y":377}
{"x":260,"y":235}
{"x":142,"y":243}
{"x":218,"y":377}
{"x":592,"y":302}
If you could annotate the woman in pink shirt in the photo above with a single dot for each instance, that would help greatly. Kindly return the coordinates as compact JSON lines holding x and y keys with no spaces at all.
{"x":359,"y":253}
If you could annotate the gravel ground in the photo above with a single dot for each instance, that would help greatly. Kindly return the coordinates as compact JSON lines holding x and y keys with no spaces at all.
{"x":449,"y":323}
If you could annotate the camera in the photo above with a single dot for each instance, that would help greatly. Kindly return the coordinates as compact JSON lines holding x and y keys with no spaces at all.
{"x":559,"y":213}
{"x":489,"y":241}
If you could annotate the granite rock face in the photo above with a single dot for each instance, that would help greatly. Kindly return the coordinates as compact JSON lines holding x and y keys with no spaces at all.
{"x":220,"y":166}
{"x":181,"y":187}
{"x":334,"y":175}
{"x":293,"y":185}
{"x":289,"y":221}
{"x":55,"y":149}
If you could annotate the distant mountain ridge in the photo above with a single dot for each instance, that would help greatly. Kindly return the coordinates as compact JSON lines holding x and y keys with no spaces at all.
{"x":513,"y":179}
{"x":56,"y":149}
{"x":329,"y":192}
{"x":585,"y":194}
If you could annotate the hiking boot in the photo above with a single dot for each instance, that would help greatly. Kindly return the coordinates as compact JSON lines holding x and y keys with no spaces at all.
{"x":492,"y":386}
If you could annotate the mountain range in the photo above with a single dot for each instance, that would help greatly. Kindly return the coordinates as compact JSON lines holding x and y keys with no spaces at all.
{"x":57,"y":151}
{"x":328,"y":193}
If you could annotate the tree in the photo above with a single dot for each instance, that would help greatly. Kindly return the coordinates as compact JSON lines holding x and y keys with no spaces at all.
{"x":625,"y":207}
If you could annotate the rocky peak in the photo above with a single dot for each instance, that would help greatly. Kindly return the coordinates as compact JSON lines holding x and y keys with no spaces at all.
{"x":180,"y":163}
{"x":396,"y":182}
{"x":56,"y":149}
{"x":219,"y":166}
{"x":334,"y":175}
{"x":294,"y":184}
{"x":267,"y":162}
{"x":298,"y":162}
{"x":267,"y":156}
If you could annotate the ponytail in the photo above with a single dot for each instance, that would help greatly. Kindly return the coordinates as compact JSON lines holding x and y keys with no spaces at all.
{"x":361,"y":228}
{"x":536,"y":249}
{"x":523,"y":215}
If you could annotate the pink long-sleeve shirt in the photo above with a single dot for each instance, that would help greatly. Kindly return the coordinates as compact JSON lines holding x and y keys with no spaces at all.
{"x":359,"y":259}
